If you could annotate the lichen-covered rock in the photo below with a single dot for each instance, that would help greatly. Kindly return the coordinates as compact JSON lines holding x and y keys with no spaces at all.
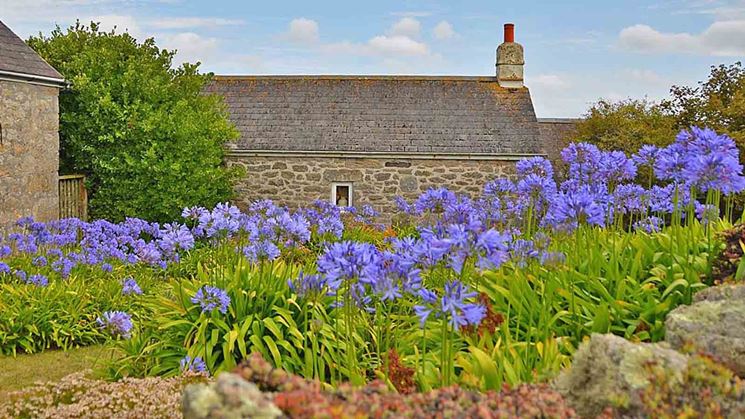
{"x":609,"y":371}
{"x":714,"y":325}
{"x":229,"y":397}
{"x":721,"y":292}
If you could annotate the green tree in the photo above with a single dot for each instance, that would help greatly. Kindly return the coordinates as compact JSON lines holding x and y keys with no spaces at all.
{"x":718,"y":103}
{"x":148,"y":139}
{"x":626,"y":125}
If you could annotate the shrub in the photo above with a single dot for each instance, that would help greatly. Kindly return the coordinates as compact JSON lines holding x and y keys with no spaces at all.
{"x":147,"y":138}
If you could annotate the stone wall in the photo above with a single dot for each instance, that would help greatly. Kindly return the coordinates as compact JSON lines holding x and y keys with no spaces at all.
{"x":29,"y":152}
{"x":298,"y":181}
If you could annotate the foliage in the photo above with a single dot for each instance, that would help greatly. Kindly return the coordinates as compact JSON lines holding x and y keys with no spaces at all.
{"x":486,"y":291}
{"x":718,"y":102}
{"x":63,"y":314}
{"x":147,"y":138}
{"x":626,"y":125}
{"x":729,"y":264}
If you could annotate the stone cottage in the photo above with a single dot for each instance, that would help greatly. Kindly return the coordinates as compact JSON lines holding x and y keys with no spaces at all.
{"x":364,"y":139}
{"x":29,"y":138}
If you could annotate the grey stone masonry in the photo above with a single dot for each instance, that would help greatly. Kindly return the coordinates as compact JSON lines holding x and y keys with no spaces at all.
{"x":29,"y":151}
{"x":298,"y":181}
{"x":391,"y":114}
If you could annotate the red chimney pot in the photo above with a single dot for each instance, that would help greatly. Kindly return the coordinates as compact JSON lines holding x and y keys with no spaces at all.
{"x":509,"y":32}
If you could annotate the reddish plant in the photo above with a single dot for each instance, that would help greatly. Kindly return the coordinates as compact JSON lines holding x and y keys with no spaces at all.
{"x":400,"y":375}
{"x":492,"y":320}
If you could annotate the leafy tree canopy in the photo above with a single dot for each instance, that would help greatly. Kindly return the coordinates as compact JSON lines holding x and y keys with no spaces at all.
{"x":718,"y":103}
{"x":141,"y":130}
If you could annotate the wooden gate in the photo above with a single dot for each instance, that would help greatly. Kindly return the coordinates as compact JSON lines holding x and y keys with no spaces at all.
{"x":73,"y":198}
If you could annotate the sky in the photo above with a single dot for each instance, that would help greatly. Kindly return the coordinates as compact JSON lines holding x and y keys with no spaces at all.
{"x":576,"y":52}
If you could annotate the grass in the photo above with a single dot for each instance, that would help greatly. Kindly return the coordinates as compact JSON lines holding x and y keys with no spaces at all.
{"x":24,"y":370}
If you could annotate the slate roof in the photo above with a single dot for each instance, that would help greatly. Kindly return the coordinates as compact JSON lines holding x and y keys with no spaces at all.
{"x":17,"y":57}
{"x":389,"y":114}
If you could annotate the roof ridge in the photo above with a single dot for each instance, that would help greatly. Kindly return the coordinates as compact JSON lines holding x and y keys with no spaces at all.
{"x":18,"y":59}
{"x":353,"y":77}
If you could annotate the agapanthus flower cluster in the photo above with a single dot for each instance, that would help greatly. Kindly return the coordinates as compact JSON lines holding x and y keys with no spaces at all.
{"x":116,"y":323}
{"x":211,"y":298}
{"x":130,"y":287}
{"x":453,"y":306}
{"x":313,"y":286}
{"x":196,"y":365}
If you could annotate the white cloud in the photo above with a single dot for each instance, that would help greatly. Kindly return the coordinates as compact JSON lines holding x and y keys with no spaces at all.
{"x":397,"y":45}
{"x":303,"y":31}
{"x":190,"y":47}
{"x":722,"y":38}
{"x":407,"y":27}
{"x":382,"y":45}
{"x":192,"y":22}
{"x":443,"y":30}
{"x":552,"y":82}
{"x":400,"y":40}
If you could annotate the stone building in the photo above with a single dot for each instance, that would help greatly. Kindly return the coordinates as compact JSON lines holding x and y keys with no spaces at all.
{"x":557,"y":133}
{"x":29,"y":139}
{"x":365,"y":139}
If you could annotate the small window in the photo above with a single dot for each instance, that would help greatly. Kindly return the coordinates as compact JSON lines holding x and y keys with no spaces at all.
{"x":341,"y":194}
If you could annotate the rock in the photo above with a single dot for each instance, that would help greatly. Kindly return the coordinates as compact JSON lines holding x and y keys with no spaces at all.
{"x":229,"y":397}
{"x":714,"y":325}
{"x":408,"y":184}
{"x":608,"y":370}
{"x":721,"y":292}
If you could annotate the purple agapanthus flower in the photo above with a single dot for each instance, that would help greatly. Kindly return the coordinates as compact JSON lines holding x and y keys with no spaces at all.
{"x":39,"y":280}
{"x":452,"y":306}
{"x":39,"y":261}
{"x":211,"y":298}
{"x":130,"y":287}
{"x":116,"y":323}
{"x":649,"y":224}
{"x":577,"y":207}
{"x":313,"y":286}
{"x":537,"y":166}
{"x":262,"y":250}
{"x":195,"y":364}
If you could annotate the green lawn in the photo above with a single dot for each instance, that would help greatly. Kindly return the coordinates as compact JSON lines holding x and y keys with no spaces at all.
{"x":24,"y":370}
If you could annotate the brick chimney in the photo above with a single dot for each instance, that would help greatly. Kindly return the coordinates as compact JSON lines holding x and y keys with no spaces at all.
{"x":510,"y":60}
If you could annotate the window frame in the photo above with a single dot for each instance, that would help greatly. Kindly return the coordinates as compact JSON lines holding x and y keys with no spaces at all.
{"x":350,"y":194}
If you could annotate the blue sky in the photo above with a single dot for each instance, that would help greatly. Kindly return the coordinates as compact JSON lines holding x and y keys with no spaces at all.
{"x":576,"y":51}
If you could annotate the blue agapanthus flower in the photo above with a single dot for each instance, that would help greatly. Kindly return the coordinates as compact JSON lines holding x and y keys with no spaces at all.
{"x":130,"y":287}
{"x":262,"y":250}
{"x":649,"y":224}
{"x":195,"y":364}
{"x":38,"y":279}
{"x":577,"y":207}
{"x":347,"y":260}
{"x":452,"y":306}
{"x":313,"y":286}
{"x":537,"y":166}
{"x":211,"y":298}
{"x":116,"y":323}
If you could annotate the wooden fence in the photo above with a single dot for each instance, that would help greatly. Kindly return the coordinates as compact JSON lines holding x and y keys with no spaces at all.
{"x":73,"y":198}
